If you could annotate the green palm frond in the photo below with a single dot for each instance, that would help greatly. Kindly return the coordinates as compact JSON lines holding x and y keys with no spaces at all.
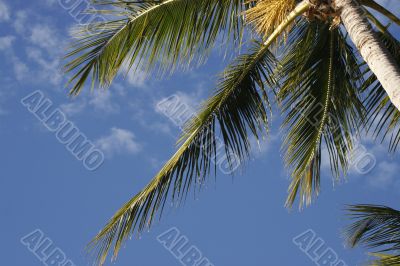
{"x":238,"y":108}
{"x":381,"y":9}
{"x":150,"y":34}
{"x":319,"y":77}
{"x":383,"y":116}
{"x":376,"y":227}
{"x":385,"y":260}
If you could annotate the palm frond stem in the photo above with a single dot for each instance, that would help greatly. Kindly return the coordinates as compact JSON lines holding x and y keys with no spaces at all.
{"x":327,"y":99}
{"x":377,"y":7}
{"x":300,"y":8}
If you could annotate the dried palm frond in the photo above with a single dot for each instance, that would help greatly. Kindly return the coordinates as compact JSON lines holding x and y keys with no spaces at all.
{"x":267,"y":15}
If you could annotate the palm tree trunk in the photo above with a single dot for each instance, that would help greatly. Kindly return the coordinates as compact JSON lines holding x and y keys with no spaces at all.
{"x":375,"y":54}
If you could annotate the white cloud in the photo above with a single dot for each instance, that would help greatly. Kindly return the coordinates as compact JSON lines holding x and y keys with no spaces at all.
{"x":21,"y":70}
{"x":43,"y":46}
{"x":119,"y":89}
{"x":44,"y":37}
{"x":147,"y":120}
{"x":50,"y":2}
{"x":135,"y":77}
{"x":6,"y":42}
{"x":385,"y":175}
{"x":4,"y":12}
{"x":156,"y":126}
{"x":118,"y":142}
{"x":49,"y":71}
{"x":175,"y":110}
{"x":102,"y":101}
{"x":371,"y":162}
{"x":2,"y":110}
{"x":178,"y":107}
{"x":156,"y":164}
{"x":262,"y":146}
{"x":193,"y":99}
{"x":19,"y":22}
{"x":74,"y":107}
{"x":41,"y":32}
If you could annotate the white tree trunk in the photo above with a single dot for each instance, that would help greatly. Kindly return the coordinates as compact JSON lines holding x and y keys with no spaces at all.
{"x":378,"y":58}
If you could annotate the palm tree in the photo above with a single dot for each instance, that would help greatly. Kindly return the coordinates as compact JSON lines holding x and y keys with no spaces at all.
{"x":376,"y":227}
{"x":323,"y":87}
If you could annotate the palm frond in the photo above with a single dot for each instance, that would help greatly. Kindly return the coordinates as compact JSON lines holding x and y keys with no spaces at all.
{"x":148,"y":34}
{"x":383,"y":116}
{"x":267,"y":15}
{"x":376,"y":227}
{"x":319,"y":77}
{"x":381,"y":9}
{"x":238,"y":108}
{"x":385,"y":260}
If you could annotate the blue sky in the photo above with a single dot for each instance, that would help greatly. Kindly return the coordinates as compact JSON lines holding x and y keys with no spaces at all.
{"x":235,"y":221}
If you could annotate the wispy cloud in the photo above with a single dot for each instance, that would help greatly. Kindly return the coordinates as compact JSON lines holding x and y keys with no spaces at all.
{"x":137,"y":78}
{"x":49,"y":68}
{"x":21,"y":70}
{"x":175,"y":110}
{"x":102,"y":101}
{"x":20,"y":21}
{"x":39,"y":61}
{"x":385,"y":175}
{"x":261,"y":147}
{"x":369,"y":154}
{"x":43,"y":47}
{"x":45,"y":37}
{"x":73,"y":107}
{"x":4,"y":12}
{"x":119,"y":141}
{"x":6,"y":42}
{"x":192,"y":99}
{"x":50,"y":2}
{"x":134,"y":76}
{"x":2,"y":110}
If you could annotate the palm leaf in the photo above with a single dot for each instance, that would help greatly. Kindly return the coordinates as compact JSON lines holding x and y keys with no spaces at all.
{"x":381,"y":9}
{"x":376,"y":227}
{"x":385,"y":260}
{"x":319,"y":77}
{"x":238,"y":108}
{"x":150,"y":34}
